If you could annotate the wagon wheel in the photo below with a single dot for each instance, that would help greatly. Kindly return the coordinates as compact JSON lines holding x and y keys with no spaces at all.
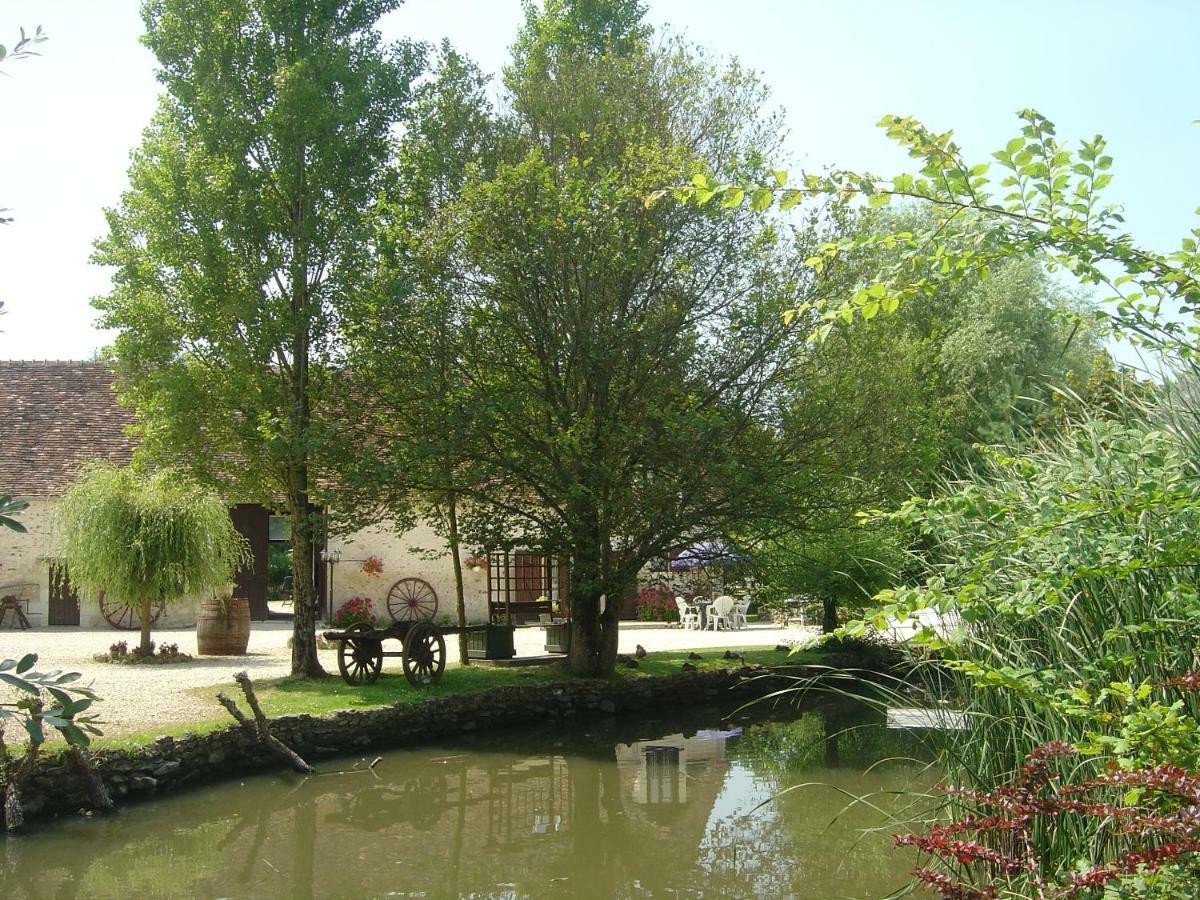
{"x":424,"y":654}
{"x":124,"y":616}
{"x":412,"y":600}
{"x":360,"y":659}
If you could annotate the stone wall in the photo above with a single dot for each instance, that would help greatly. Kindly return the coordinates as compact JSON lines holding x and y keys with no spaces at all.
{"x":170,"y":764}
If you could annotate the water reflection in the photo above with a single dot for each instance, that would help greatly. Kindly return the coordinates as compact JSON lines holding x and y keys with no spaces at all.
{"x":593,"y":811}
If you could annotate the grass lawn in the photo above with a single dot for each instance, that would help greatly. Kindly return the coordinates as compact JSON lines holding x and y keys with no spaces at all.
{"x":288,"y":696}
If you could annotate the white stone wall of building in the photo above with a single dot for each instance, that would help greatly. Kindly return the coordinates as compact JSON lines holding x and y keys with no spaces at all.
{"x":25,"y":572}
{"x":417,"y":553}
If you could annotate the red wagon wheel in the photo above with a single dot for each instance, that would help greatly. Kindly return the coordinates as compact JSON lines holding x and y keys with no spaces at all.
{"x":412,"y":600}
{"x":124,"y":616}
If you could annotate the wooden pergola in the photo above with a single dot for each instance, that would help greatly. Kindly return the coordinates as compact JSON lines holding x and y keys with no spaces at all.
{"x":525,"y":584}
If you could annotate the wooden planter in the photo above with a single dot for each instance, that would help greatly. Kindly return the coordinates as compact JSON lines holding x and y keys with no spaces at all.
{"x":491,"y":642}
{"x":558,"y":637}
{"x":223,"y":627}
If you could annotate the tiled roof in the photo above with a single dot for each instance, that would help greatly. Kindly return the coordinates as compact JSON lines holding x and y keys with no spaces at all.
{"x":55,"y":416}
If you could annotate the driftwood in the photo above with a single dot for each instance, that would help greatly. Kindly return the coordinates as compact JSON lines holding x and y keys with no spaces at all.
{"x":261,"y":726}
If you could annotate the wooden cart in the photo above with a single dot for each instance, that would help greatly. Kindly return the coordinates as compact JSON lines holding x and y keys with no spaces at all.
{"x":360,"y":652}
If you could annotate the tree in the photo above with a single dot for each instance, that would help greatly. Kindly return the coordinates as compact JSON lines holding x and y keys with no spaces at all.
{"x":402,"y":339}
{"x":151,"y":539}
{"x":613,"y":365}
{"x":246,"y":231}
{"x":1052,"y":208}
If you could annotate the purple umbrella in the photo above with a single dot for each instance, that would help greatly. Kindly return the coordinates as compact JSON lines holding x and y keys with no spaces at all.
{"x":705,"y":554}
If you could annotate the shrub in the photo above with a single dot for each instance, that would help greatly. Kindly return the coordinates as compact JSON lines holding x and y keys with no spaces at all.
{"x":996,"y":848}
{"x":654,"y":603}
{"x":354,"y":611}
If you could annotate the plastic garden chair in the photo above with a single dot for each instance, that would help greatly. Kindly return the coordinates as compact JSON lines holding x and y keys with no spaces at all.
{"x":720,"y":614}
{"x":741,"y":610}
{"x":689,"y":616}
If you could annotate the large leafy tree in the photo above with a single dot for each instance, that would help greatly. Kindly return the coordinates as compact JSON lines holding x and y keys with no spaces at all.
{"x":614,"y":366}
{"x":402,"y":454}
{"x":150,"y":539}
{"x":246,"y":231}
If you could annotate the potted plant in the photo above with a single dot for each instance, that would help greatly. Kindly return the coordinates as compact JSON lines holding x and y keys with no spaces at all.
{"x":492,"y":641}
{"x":223,"y":624}
{"x":558,"y":632}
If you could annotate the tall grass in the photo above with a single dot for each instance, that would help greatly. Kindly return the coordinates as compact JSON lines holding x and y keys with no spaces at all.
{"x":1075,"y":565}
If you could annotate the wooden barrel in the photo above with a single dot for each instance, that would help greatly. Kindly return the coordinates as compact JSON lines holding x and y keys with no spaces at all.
{"x":223,"y":627}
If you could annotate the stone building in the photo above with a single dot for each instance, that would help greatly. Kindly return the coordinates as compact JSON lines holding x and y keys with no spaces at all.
{"x":57,"y":415}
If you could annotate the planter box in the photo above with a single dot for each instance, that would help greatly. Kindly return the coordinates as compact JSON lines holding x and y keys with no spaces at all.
{"x":491,"y":642}
{"x":558,"y":637}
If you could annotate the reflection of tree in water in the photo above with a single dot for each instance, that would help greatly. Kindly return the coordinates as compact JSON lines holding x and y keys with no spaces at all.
{"x":419,"y":802}
{"x":593,"y":817}
{"x":815,"y":838}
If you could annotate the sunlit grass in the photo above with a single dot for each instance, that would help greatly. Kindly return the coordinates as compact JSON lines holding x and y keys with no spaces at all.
{"x":319,"y":697}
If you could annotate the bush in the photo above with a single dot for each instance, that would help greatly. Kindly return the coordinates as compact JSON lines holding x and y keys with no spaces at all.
{"x":654,"y":603}
{"x":354,"y":611}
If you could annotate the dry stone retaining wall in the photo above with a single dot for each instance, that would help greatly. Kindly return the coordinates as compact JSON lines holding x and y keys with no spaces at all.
{"x":168,"y":764}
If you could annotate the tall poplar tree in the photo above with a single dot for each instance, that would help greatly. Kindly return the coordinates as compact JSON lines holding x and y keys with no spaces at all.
{"x":245,"y":233}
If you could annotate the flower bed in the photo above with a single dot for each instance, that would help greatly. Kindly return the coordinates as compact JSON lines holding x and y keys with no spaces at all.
{"x":121,"y":654}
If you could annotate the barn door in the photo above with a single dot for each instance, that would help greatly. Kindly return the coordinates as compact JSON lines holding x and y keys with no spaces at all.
{"x":64,"y":602}
{"x":250,"y":582}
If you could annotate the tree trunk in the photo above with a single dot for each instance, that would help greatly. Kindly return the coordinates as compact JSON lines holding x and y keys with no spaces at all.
{"x":144,"y":623}
{"x":593,"y":650}
{"x":304,"y":598}
{"x":460,"y":602}
{"x":829,"y":616}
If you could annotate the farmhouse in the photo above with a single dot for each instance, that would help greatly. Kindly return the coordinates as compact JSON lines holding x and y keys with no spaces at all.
{"x":55,"y":416}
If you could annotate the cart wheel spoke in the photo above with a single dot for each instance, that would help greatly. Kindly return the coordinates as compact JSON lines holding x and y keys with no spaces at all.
{"x":424,"y":654}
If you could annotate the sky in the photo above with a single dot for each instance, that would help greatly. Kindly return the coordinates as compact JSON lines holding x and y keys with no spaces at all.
{"x":1128,"y":70}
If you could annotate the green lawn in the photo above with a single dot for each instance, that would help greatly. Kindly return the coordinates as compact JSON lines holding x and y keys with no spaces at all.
{"x":288,"y":696}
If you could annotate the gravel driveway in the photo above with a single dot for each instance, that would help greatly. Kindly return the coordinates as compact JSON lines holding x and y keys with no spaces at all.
{"x":141,"y":698}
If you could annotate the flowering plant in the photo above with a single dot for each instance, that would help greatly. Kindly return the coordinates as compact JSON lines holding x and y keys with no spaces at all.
{"x":654,"y":603}
{"x":372,"y":566}
{"x":354,"y":611}
{"x":476,"y":562}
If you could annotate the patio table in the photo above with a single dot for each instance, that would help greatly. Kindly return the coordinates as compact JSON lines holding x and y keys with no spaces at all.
{"x":702,"y":604}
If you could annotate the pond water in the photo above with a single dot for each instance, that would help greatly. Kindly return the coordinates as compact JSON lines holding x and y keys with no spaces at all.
{"x":661,"y":808}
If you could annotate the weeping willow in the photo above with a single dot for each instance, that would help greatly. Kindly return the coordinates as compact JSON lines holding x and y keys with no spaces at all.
{"x":153,"y":538}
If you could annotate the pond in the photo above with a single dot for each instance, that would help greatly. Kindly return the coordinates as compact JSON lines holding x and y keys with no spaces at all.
{"x":661,"y":808}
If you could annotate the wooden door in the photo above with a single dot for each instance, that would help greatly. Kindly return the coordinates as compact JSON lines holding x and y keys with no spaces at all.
{"x":250,"y":582}
{"x":529,"y":577}
{"x":64,"y":602}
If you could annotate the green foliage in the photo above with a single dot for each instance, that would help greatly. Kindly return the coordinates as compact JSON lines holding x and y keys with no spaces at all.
{"x":8,"y":509}
{"x":64,"y":713}
{"x":149,"y":538}
{"x":590,"y":376}
{"x":1048,"y":199}
{"x":245,"y":235}
{"x":1073,"y":567}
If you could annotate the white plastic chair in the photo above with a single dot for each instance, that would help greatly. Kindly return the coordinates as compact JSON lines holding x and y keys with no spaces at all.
{"x":741,"y":610}
{"x":689,"y":616}
{"x":720,"y":614}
